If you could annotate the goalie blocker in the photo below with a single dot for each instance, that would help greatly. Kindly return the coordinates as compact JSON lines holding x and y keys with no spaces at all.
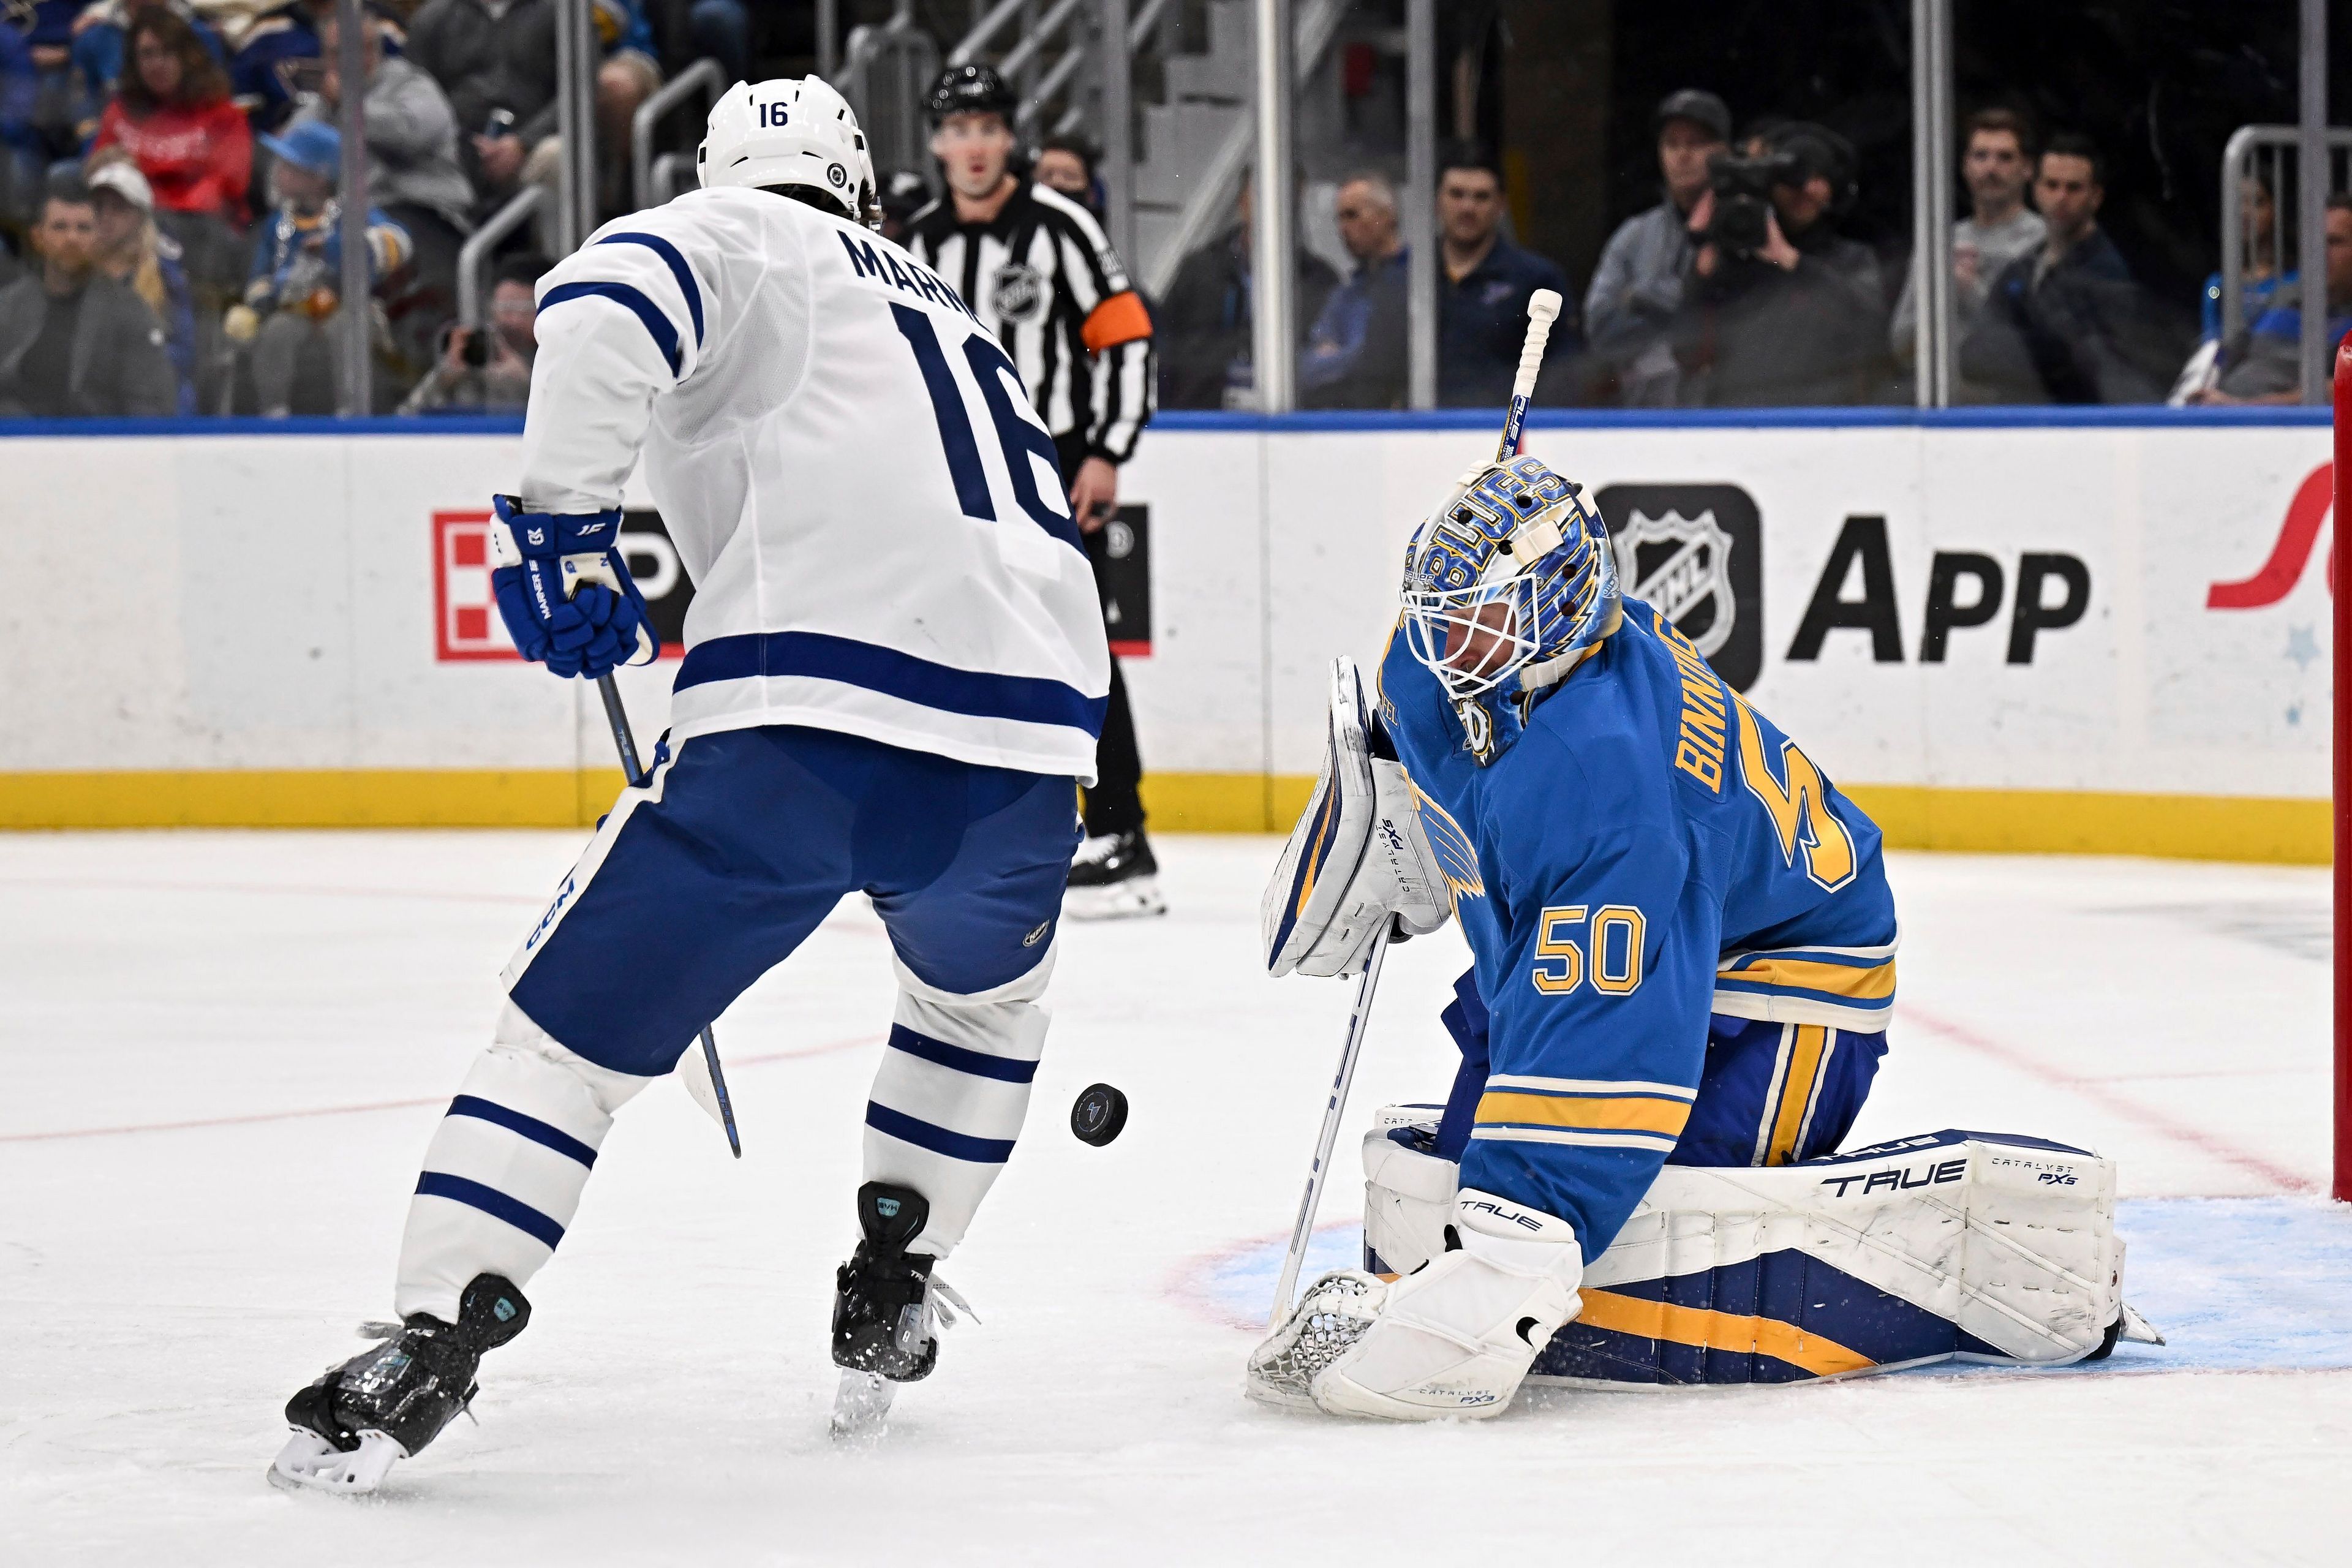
{"x":1974,"y":1246}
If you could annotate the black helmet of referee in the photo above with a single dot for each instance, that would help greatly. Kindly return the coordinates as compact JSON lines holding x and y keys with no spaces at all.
{"x":970,"y":89}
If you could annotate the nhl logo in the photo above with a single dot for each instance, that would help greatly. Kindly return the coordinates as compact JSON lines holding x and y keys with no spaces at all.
{"x":1682,"y":566}
{"x":1694,"y":553}
{"x":1018,"y":294}
{"x":838,"y":175}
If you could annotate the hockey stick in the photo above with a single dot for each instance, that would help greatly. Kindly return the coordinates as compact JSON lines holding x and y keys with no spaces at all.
{"x":1543,"y":309}
{"x":625,"y":743}
{"x":1312,"y":1199}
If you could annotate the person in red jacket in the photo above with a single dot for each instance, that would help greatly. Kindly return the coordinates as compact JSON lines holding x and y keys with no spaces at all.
{"x":172,"y":113}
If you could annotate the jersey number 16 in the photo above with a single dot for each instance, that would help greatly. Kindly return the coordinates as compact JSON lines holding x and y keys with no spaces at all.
{"x":1018,"y":436}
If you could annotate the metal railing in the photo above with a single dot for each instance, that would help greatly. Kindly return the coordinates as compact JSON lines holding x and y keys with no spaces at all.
{"x":885,"y":71}
{"x":2267,"y":156}
{"x":475,"y":255}
{"x":704,"y":76}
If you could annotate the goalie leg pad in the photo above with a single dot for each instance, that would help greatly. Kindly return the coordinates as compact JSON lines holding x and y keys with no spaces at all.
{"x":1966,"y":1246}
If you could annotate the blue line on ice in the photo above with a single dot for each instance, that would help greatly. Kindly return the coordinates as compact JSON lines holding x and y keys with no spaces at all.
{"x":2233,"y":1284}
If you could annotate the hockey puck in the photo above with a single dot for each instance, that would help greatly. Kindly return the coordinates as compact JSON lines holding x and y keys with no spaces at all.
{"x":1099,"y":1114}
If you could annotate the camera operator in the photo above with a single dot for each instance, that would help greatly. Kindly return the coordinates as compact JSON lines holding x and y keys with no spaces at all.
{"x":1778,"y":309}
{"x":488,"y":367}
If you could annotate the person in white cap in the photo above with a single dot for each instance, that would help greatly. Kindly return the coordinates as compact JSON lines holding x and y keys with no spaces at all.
{"x":133,"y":251}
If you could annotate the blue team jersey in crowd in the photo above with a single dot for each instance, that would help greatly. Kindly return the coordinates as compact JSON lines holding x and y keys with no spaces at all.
{"x":1655,"y":852}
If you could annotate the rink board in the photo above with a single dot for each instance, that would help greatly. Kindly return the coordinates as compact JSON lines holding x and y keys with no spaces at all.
{"x":2100,"y":635}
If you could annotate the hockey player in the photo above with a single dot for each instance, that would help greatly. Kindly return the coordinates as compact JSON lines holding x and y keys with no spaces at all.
{"x":894,"y":677}
{"x":1039,"y":272}
{"x":1684,"y":938}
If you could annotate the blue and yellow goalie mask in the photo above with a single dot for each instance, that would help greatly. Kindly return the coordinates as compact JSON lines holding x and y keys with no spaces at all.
{"x":1508,"y":586}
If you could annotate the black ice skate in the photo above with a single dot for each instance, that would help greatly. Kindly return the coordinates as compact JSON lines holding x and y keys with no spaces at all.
{"x":886,"y":1309}
{"x":1113,"y":876}
{"x":384,"y":1405}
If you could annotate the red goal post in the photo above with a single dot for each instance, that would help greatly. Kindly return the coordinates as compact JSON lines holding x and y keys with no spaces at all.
{"x":2341,"y":1186}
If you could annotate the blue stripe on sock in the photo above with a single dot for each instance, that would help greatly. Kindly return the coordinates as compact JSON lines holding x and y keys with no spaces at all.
{"x":938,"y":1139}
{"x":646,"y":311}
{"x":529,"y":1126}
{"x":491,"y":1202}
{"x":979,"y":1064}
{"x":678,"y":269}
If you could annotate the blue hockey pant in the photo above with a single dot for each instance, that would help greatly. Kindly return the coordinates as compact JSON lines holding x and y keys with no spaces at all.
{"x":698,"y":883}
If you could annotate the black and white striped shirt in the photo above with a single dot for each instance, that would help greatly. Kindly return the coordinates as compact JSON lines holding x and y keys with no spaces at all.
{"x":1043,"y":279}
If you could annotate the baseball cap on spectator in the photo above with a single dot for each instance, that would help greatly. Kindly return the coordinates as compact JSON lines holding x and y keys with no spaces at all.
{"x":312,"y":145}
{"x":125,"y":180}
{"x":1698,"y":106}
{"x":1820,"y":151}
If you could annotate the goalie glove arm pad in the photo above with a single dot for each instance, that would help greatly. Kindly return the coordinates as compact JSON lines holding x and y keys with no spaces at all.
{"x":1360,"y":854}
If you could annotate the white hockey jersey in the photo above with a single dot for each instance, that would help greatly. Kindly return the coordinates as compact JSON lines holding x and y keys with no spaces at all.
{"x":850,"y":469}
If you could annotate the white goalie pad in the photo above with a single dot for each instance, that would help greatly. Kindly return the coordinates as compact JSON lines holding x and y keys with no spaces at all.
{"x":1952,"y":1246}
{"x":1370,"y":846}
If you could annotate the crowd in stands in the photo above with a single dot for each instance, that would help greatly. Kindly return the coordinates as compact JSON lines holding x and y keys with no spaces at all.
{"x":170,"y":222}
{"x":1740,"y":289}
{"x":170,"y":239}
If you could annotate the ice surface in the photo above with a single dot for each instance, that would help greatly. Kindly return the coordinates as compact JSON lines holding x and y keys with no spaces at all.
{"x":224,"y":1054}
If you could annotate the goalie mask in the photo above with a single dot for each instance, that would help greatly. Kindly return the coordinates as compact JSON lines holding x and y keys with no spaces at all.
{"x":1507,"y":587}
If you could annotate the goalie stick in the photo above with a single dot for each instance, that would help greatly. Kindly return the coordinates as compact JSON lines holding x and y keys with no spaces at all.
{"x":1312,"y":1199}
{"x":1543,"y":309}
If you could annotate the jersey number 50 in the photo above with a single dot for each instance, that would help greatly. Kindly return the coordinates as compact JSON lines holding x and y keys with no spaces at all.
{"x":1016,"y":434}
{"x":1615,"y":943}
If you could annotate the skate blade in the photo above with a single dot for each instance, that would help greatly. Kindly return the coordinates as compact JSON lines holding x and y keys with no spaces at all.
{"x":309,"y":1463}
{"x":1130,"y":900}
{"x":862,"y":1405}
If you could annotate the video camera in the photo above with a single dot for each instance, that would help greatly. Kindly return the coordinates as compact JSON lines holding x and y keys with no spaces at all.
{"x":1743,"y":197}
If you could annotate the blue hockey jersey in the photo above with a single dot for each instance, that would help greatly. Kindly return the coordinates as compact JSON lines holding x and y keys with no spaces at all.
{"x":1655,"y":853}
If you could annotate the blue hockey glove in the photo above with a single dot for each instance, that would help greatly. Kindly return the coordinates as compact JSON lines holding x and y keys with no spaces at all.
{"x":564,"y":592}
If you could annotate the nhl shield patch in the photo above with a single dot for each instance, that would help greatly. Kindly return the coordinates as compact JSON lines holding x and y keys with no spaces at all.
{"x":1697,"y":554}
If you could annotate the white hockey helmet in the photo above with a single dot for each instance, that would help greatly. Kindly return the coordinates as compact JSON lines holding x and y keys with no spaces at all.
{"x":790,"y":130}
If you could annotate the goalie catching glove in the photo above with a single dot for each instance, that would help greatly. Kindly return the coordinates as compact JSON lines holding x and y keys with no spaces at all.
{"x":1370,"y":846}
{"x":564,"y":592}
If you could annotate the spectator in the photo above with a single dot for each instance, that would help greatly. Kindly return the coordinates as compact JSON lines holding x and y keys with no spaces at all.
{"x":291,"y":307}
{"x":1068,"y":165}
{"x":489,"y":61}
{"x":73,"y":341}
{"x":2062,"y":324}
{"x":413,"y":174}
{"x":97,"y":40}
{"x":1630,"y":308}
{"x":489,"y":368}
{"x":1206,"y":320}
{"x":1481,"y":314}
{"x":1999,"y":229}
{"x":1792,"y":314}
{"x":693,"y":28}
{"x":2264,"y":362}
{"x":1355,"y":354}
{"x":133,"y":251}
{"x":627,"y":75}
{"x":22,"y":150}
{"x":172,"y":113}
{"x":273,"y":51}
{"x":56,"y":109}
{"x":2257,"y":215}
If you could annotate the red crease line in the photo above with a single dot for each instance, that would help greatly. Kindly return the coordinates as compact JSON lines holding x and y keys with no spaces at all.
{"x":377,"y":1105}
{"x":2096,"y":1090}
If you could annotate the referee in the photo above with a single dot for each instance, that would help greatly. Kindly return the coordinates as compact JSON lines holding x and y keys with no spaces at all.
{"x":1038,"y":270}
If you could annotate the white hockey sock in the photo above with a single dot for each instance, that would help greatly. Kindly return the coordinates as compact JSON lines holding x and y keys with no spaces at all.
{"x":950,"y":1094}
{"x":505,"y":1170}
